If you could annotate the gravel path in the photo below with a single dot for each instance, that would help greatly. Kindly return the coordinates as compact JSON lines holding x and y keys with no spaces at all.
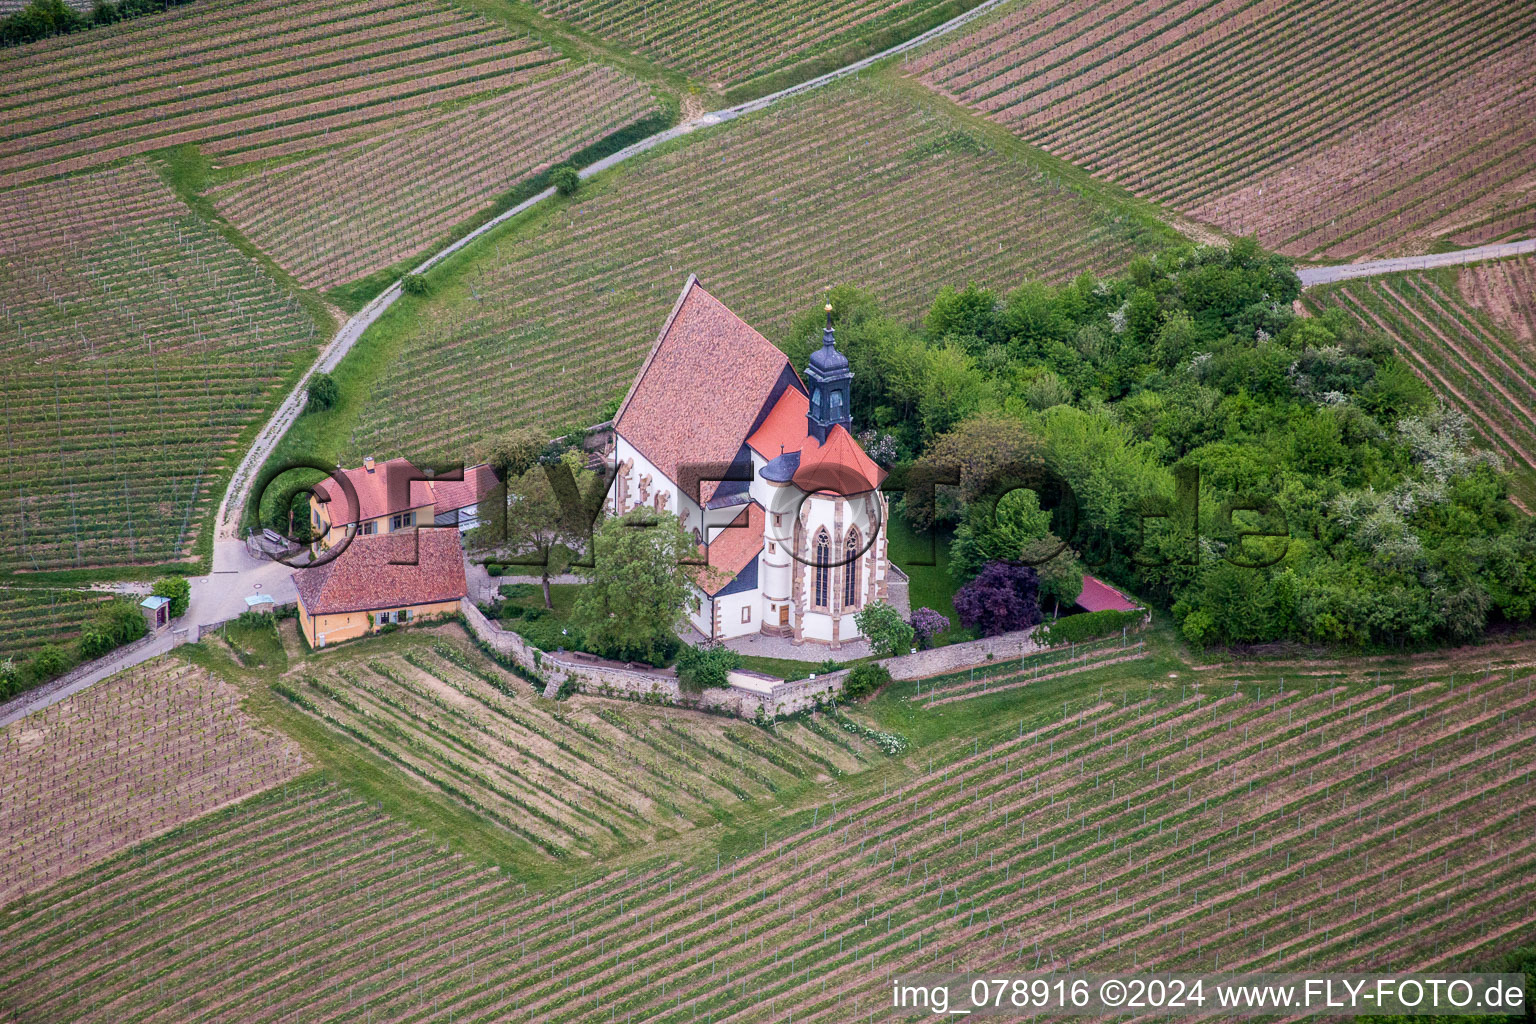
{"x":1371,"y":268}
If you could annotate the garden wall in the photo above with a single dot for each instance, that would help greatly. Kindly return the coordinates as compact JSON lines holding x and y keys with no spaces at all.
{"x":940,"y":660}
{"x":608,"y":679}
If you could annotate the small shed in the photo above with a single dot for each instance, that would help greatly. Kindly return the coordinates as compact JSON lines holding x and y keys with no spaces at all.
{"x":157,"y":611}
{"x":260,"y":603}
{"x":1098,"y":596}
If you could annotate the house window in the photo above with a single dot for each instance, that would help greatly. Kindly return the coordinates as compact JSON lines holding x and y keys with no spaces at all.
{"x":314,"y":518}
{"x":851,"y":570}
{"x":402,"y":521}
{"x":370,"y":528}
{"x":823,"y":570}
{"x":746,"y":615}
{"x":771,"y":548}
{"x":778,"y":519}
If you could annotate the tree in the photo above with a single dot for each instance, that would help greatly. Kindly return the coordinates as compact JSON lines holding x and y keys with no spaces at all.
{"x":415,"y":284}
{"x":927,"y":624}
{"x":888,"y":633}
{"x":299,"y":527}
{"x":178,"y":590}
{"x":865,"y":679}
{"x":565,"y":179}
{"x":997,"y":530}
{"x":541,"y":527}
{"x":708,"y":665}
{"x":979,"y":451}
{"x":323,"y":393}
{"x":1059,"y":569}
{"x":513,"y":453}
{"x":1002,"y":598}
{"x":638,"y":589}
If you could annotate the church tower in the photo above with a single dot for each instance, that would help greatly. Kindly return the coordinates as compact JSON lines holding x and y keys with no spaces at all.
{"x":831,"y":381}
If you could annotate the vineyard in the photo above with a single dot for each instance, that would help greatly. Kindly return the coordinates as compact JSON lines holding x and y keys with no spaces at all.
{"x":544,"y":323}
{"x":147,"y":750}
{"x":589,"y":778}
{"x":1390,"y":124}
{"x":344,"y":138}
{"x":1347,"y":815}
{"x":246,"y":81}
{"x":725,"y":43}
{"x":339,"y":215}
{"x":1464,"y":354}
{"x":139,"y":343}
{"x":30,"y":618}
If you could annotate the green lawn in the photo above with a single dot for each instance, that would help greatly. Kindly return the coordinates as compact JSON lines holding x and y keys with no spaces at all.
{"x":931,"y":585}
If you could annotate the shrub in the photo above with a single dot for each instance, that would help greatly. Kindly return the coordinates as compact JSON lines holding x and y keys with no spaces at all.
{"x":1074,"y":629}
{"x":705,"y":666}
{"x":48,"y":662}
{"x":10,"y":679}
{"x":323,"y":393}
{"x":415,"y":284}
{"x":1002,"y":598}
{"x":928,"y":624}
{"x":865,"y":680}
{"x":828,"y":665}
{"x":887,"y":631}
{"x":117,"y":624}
{"x":178,"y":590}
{"x":565,"y":179}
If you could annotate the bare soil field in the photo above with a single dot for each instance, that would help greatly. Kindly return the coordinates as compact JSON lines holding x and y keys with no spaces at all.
{"x":129,"y":758}
{"x":1389,"y":126}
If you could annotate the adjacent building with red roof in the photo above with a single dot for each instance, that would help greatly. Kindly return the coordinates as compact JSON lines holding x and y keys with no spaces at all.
{"x":1098,"y":596}
{"x":383,"y":497}
{"x":381,"y":579}
{"x":760,"y":464}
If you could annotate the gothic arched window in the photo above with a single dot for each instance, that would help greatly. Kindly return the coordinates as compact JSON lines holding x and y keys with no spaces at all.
{"x":821,"y":591}
{"x":851,"y":570}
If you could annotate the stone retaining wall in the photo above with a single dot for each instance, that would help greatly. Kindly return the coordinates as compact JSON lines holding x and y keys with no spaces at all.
{"x":606,"y":679}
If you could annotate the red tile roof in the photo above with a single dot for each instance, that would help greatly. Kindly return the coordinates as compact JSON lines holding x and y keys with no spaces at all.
{"x":701,"y":388}
{"x":384,"y":490}
{"x":387,"y":570}
{"x":785,"y":428}
{"x":839,"y":466}
{"x":1098,"y":596}
{"x":390,"y":487}
{"x":451,"y":495}
{"x":731,"y":550}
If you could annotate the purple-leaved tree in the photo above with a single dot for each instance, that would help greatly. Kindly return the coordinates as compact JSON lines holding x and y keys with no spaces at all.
{"x":1003,"y":597}
{"x":927,"y":624}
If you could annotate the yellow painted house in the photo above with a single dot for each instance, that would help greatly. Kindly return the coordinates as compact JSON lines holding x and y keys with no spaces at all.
{"x":377,"y":580}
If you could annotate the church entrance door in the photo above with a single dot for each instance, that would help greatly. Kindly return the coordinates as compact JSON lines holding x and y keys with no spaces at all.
{"x":783,"y":614}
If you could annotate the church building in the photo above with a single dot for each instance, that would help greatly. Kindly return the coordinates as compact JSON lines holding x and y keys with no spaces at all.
{"x":760,"y":465}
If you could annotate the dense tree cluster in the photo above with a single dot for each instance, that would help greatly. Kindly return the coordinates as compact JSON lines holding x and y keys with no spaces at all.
{"x":43,"y":18}
{"x":1153,"y":425}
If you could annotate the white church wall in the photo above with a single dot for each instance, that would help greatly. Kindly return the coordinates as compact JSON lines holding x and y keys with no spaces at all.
{"x":730,"y":609}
